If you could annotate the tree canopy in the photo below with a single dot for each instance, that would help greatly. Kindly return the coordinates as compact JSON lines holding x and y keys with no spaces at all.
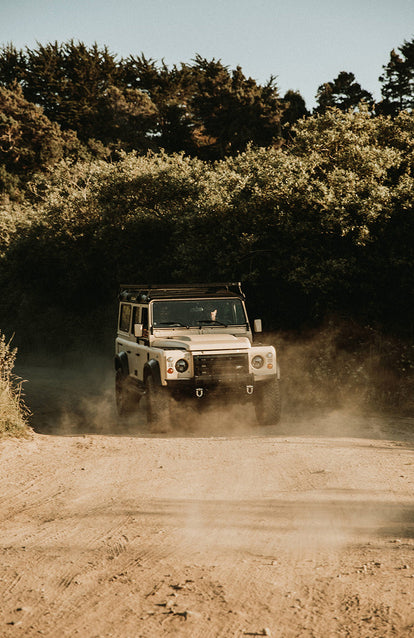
{"x":398,"y":80}
{"x":201,"y":108}
{"x":29,"y":141}
{"x":344,"y":93}
{"x":124,"y":170}
{"x":327,"y":223}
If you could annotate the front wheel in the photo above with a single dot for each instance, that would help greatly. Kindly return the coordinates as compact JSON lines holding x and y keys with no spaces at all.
{"x":267,"y":402}
{"x":126,"y":395}
{"x":158,"y":406}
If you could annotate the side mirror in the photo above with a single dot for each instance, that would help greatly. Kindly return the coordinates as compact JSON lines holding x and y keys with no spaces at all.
{"x":138,"y":329}
{"x":257,"y":325}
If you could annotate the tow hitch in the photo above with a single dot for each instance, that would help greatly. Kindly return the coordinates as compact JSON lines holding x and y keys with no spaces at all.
{"x":249,"y":389}
{"x":199,"y":392}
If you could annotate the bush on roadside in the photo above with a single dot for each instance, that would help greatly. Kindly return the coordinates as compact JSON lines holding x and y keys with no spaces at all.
{"x":13,"y":412}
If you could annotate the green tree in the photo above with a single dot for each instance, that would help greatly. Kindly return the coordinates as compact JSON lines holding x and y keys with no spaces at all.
{"x":343,"y":92}
{"x":398,"y":80}
{"x":68,"y":81}
{"x":128,"y":119}
{"x":12,"y":65}
{"x":231,"y":110}
{"x":295,"y":109}
{"x":29,"y":141}
{"x":171,"y":91}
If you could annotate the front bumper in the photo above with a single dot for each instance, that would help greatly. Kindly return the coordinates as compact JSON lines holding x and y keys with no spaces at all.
{"x":242,"y":388}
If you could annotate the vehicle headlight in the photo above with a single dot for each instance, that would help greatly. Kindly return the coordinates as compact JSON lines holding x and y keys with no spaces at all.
{"x":181,"y":365}
{"x":257,"y":362}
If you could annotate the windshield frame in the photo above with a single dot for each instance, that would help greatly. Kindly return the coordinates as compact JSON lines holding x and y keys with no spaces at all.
{"x":198,"y":313}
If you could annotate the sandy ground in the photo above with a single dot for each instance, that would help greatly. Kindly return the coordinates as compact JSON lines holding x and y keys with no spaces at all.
{"x":218,"y":529}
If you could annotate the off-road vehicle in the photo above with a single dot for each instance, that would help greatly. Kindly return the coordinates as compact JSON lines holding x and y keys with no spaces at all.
{"x":196,"y":341}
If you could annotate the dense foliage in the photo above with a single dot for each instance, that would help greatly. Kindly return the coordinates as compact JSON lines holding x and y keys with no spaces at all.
{"x":326,"y":224}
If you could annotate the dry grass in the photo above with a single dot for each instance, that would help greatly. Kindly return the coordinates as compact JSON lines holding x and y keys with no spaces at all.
{"x":13,"y":412}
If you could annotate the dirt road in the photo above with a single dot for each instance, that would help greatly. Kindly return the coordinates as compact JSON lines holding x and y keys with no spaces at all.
{"x":217,"y":530}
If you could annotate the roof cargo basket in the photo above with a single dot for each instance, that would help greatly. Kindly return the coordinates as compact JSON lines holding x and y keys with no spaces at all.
{"x":144,"y":293}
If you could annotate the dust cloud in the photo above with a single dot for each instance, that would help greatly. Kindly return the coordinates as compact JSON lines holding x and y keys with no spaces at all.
{"x":329,"y":387}
{"x":299,"y":525}
{"x":72,"y":396}
{"x":335,"y":383}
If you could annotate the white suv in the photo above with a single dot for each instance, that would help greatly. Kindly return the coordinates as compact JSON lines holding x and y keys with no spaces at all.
{"x":191,"y":340}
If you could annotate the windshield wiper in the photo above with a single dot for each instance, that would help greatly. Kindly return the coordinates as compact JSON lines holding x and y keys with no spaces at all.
{"x":212,"y":321}
{"x":173,"y":324}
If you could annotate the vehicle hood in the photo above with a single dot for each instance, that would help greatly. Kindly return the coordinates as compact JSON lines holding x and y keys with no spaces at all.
{"x":203,"y":342}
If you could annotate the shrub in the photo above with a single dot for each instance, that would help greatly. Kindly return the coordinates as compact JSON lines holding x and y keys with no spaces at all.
{"x":13,"y":412}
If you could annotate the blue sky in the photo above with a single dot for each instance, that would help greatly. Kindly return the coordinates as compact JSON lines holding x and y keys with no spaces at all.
{"x":302,"y":42}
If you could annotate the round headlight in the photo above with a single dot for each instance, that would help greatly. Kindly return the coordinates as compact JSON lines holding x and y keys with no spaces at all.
{"x":181,"y":365}
{"x":257,"y":361}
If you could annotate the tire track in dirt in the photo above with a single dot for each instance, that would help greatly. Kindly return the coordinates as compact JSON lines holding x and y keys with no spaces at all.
{"x":86,"y":566}
{"x":10,"y":586}
{"x":107,"y":557}
{"x":56,"y":598}
{"x":18,"y":508}
{"x":124,"y":566}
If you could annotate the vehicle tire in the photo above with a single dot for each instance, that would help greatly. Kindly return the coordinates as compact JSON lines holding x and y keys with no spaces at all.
{"x":267,"y":403}
{"x":126,"y":395}
{"x":158,"y":406}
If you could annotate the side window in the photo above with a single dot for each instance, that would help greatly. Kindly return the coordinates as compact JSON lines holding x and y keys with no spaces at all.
{"x":135,"y":316}
{"x":144,"y":318}
{"x":144,"y":321}
{"x":125,"y":317}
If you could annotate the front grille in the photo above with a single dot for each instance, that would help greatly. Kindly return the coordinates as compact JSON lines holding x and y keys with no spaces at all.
{"x":221,"y":367}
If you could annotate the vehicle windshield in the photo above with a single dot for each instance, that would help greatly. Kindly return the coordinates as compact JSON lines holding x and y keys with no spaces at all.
{"x":196,"y":313}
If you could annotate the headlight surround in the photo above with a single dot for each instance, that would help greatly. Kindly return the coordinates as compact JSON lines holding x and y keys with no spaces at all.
{"x":257,"y":362}
{"x":181,"y":365}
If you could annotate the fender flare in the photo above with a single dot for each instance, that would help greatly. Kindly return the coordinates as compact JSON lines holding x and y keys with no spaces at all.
{"x":121,"y":363}
{"x":152,"y":367}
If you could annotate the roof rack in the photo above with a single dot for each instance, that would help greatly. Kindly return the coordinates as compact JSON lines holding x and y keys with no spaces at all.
{"x":144,"y":293}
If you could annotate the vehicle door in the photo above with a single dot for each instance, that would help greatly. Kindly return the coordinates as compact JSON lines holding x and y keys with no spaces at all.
{"x":139,"y":355}
{"x":123,"y":340}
